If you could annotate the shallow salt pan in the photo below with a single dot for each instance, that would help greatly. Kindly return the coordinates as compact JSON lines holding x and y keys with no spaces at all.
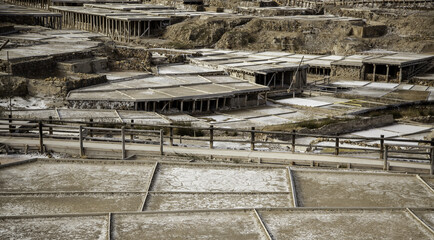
{"x":343,"y":224}
{"x":339,"y":189}
{"x":64,"y":176}
{"x":176,"y":201}
{"x":303,"y":102}
{"x":220,"y":179}
{"x":196,"y":225}
{"x":382,"y":85}
{"x":73,"y":227}
{"x":352,"y":83}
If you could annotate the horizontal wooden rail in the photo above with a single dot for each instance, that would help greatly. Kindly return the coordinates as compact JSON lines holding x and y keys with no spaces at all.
{"x":89,"y":130}
{"x":118,"y":125}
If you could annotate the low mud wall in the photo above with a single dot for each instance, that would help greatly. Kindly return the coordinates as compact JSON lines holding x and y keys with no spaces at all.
{"x":61,"y":86}
{"x":351,"y":126}
{"x":343,"y":127}
{"x":12,"y":86}
{"x":42,"y":67}
{"x":85,"y":104}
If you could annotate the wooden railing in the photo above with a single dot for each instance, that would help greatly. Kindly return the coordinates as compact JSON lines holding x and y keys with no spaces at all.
{"x":412,"y":155}
{"x":81,"y":133}
{"x":368,"y":3}
{"x":386,"y":148}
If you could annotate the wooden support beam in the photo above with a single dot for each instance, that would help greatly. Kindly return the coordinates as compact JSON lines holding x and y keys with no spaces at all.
{"x":373,"y":74}
{"x":139,"y":29}
{"x":387,"y":73}
{"x":382,"y":147}
{"x":80,"y":139}
{"x":149,"y":27}
{"x":171,"y":134}
{"x":385,"y":158}
{"x":211,"y":137}
{"x":161,"y":142}
{"x":337,"y":146}
{"x":252,"y":139}
{"x":41,"y":138}
{"x":431,"y":170}
{"x":400,"y":74}
{"x":129,"y":31}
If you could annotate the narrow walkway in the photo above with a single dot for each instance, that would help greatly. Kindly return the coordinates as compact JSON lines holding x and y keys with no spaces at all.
{"x":113,"y":150}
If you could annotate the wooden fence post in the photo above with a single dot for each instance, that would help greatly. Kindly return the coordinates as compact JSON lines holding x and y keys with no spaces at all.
{"x":50,"y":121}
{"x":431,"y":171}
{"x":41,"y":138}
{"x":382,"y":147}
{"x":123,"y":142}
{"x":10,"y":125}
{"x":80,"y":138}
{"x":252,"y":139}
{"x":131,"y":127}
{"x":211,"y":136}
{"x":337,"y":146}
{"x":293,"y":141}
{"x":171,"y":135}
{"x":91,"y":125}
{"x":161,"y":142}
{"x":386,"y":152}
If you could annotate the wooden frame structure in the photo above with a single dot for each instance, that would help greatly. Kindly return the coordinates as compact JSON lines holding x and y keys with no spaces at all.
{"x":12,"y":13}
{"x":119,"y":25}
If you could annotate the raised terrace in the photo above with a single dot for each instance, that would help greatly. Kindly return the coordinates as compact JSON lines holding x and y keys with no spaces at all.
{"x":47,"y":50}
{"x":165,"y":93}
{"x":387,"y":66}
